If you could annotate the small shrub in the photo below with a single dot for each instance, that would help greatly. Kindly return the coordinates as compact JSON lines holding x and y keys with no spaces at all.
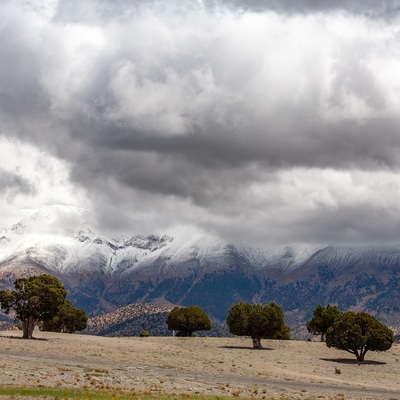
{"x":144,"y":334}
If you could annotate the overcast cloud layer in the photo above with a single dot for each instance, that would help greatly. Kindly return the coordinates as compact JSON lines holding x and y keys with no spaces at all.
{"x":264,"y":121}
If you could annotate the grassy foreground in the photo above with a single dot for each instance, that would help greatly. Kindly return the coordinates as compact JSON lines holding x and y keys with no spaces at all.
{"x":58,"y":393}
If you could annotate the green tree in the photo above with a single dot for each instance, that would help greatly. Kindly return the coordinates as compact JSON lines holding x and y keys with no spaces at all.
{"x":68,"y":319}
{"x":187,"y":320}
{"x":358,"y":333}
{"x":238,"y":319}
{"x":283,"y":334}
{"x":35,"y":299}
{"x":322,"y":319}
{"x":258,"y":322}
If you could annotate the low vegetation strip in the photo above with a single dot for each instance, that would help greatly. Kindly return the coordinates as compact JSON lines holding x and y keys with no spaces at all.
{"x":55,"y":393}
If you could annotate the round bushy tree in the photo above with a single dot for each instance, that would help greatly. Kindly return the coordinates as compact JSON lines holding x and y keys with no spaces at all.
{"x":187,"y":320}
{"x":68,"y":319}
{"x":238,"y":319}
{"x":258,"y":322}
{"x":358,"y":333}
{"x":283,"y":334}
{"x":35,"y":299}
{"x":323,"y":318}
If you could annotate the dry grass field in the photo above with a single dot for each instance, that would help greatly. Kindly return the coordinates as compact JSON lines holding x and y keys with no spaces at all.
{"x":207,"y":366}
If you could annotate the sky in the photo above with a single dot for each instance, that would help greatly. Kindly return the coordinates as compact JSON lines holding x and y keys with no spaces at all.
{"x":269,"y":122}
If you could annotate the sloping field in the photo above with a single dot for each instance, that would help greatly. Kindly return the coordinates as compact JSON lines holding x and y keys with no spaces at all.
{"x":214,"y":366}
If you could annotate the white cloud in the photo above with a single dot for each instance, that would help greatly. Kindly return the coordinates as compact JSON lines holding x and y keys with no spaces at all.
{"x":46,"y":177}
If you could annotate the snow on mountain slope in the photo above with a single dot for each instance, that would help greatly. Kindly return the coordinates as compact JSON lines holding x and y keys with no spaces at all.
{"x":283,"y":258}
{"x":59,"y":239}
{"x":41,"y":238}
{"x":345,"y":256}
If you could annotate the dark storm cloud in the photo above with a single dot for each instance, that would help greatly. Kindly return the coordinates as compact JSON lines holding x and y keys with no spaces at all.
{"x":384,"y":8}
{"x":343,"y":145}
{"x":92,"y":10}
{"x":218,"y":114}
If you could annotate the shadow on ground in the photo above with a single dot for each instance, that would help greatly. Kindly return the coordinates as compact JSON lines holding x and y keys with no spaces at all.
{"x":352,"y":361}
{"x":244,"y":348}
{"x":20,"y":337}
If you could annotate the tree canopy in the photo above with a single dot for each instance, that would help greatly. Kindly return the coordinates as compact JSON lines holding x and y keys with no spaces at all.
{"x":358,"y":333}
{"x":34,"y":299}
{"x":322,"y":319}
{"x":68,"y":319}
{"x":187,"y":320}
{"x":238,"y":319}
{"x":258,"y":322}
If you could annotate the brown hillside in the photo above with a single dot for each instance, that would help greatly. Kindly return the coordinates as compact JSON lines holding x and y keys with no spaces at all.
{"x":130,"y":321}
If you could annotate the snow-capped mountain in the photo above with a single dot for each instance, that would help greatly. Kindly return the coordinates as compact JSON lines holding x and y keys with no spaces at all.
{"x":39,"y":239}
{"x":192,"y":267}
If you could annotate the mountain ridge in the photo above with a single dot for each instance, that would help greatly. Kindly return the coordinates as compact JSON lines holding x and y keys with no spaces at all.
{"x":190,"y":267}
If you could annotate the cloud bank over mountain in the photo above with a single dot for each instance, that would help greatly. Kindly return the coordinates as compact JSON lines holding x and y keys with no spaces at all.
{"x":264,"y":121}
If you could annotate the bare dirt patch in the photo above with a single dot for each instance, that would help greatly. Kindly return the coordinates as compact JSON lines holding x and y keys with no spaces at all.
{"x":215,"y":366}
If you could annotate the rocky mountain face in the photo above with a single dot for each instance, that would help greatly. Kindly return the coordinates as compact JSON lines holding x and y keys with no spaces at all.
{"x":192,"y":268}
{"x":132,"y":319}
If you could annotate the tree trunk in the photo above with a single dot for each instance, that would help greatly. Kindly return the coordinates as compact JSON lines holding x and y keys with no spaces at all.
{"x":257,"y":343}
{"x":25,"y":329}
{"x":360,"y":357}
{"x":322,"y":337}
{"x":28,"y":326}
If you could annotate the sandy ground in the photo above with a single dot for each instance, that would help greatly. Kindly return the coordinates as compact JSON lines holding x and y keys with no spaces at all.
{"x":217,"y":366}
